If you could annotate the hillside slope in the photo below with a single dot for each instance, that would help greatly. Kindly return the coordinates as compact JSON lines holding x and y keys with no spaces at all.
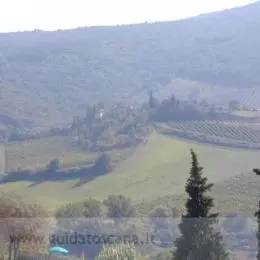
{"x":45,"y":77}
{"x":157,"y":169}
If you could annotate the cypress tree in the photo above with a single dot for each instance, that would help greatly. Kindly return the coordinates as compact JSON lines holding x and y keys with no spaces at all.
{"x":152,"y":101}
{"x":198,"y":238}
{"x":257,"y":214}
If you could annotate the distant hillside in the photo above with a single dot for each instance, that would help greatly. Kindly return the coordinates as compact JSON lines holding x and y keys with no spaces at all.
{"x":45,"y":77}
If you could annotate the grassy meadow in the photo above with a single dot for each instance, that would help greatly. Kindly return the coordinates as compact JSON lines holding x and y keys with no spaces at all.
{"x":245,"y":113}
{"x":152,"y":173}
{"x":36,"y":154}
{"x":239,"y":194}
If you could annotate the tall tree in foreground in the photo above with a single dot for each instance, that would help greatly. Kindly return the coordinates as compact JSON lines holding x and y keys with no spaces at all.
{"x":257,"y":214}
{"x":198,"y":238}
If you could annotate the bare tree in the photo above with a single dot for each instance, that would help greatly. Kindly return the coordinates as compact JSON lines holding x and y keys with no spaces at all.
{"x":23,"y":224}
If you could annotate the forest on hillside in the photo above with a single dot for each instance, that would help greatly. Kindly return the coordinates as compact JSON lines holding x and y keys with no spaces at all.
{"x":47,"y":77}
{"x":105,"y":126}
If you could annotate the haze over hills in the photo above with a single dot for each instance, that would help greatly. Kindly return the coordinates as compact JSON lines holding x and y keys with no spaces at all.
{"x":173,"y":87}
{"x":47,"y":77}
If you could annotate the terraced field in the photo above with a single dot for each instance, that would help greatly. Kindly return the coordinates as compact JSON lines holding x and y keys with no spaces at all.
{"x":240,"y":134}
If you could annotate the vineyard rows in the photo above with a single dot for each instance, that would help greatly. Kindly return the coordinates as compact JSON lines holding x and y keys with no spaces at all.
{"x":234,"y":131}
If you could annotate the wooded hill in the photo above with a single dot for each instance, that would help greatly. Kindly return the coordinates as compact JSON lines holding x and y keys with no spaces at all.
{"x":47,"y":77}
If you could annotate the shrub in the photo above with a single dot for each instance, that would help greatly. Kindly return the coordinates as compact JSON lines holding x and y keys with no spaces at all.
{"x":53,"y":166}
{"x":119,"y":251}
{"x":92,"y":208}
{"x":23,"y":225}
{"x":103,"y":164}
{"x":119,"y":207}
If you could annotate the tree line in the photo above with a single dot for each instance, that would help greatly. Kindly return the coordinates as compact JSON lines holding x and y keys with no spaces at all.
{"x":105,"y":126}
{"x":124,"y":125}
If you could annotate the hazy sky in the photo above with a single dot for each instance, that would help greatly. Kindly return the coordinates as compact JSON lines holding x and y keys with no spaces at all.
{"x":16,"y":15}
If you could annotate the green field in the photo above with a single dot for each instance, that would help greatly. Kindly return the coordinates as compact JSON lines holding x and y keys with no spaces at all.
{"x":36,"y":154}
{"x":239,"y":194}
{"x":247,"y":113}
{"x":155,"y":170}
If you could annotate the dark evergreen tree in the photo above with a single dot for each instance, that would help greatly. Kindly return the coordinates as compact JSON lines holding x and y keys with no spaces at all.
{"x":152,"y":101}
{"x":257,"y":171}
{"x":53,"y":166}
{"x":257,"y":214}
{"x":103,"y":164}
{"x":198,"y":238}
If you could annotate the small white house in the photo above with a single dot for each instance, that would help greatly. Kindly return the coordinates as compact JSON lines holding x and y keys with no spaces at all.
{"x":101,"y":113}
